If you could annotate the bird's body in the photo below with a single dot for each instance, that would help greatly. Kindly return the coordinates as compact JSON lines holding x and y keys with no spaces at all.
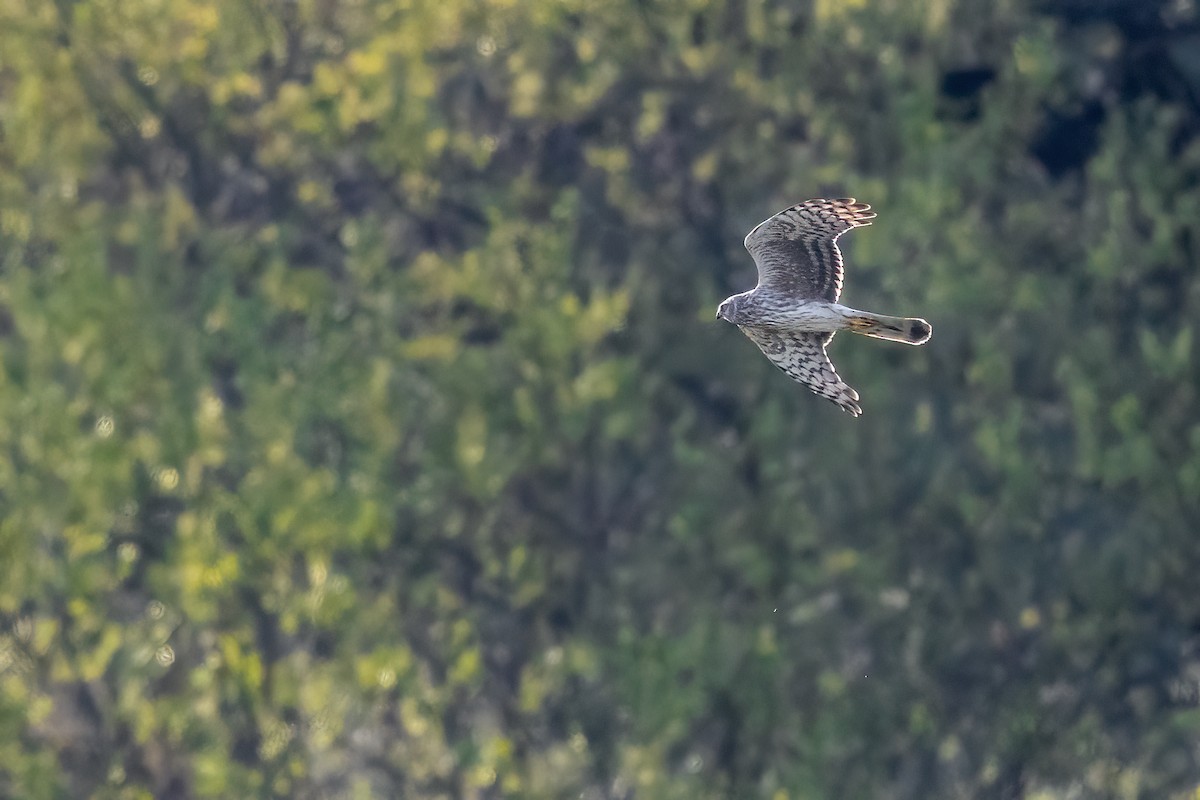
{"x":801,"y":316}
{"x":793,"y":311}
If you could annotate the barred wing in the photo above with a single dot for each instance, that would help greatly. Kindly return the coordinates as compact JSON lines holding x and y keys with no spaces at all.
{"x":802,"y":356}
{"x":796,"y":250}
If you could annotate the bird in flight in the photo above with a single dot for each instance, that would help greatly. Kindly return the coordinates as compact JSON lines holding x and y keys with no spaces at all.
{"x":793,"y":312}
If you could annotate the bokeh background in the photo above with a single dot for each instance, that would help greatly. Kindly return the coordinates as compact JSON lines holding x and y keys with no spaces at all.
{"x":365,"y":430}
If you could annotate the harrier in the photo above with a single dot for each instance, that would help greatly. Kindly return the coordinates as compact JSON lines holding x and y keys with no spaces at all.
{"x":793,"y":312}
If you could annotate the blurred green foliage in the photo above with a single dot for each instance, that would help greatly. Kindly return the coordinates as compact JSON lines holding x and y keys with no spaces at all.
{"x":364,"y":430}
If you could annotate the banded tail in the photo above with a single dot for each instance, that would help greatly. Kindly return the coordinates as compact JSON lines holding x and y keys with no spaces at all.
{"x":909,"y":330}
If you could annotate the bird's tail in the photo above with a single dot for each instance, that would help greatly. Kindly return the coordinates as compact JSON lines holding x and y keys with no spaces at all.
{"x":909,"y":330}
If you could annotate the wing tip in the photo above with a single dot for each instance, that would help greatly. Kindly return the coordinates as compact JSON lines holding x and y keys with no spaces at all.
{"x":848,"y":401}
{"x":846,"y":210}
{"x":851,"y":211}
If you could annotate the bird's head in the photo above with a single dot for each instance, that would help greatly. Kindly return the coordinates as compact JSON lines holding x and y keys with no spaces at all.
{"x":728,"y":309}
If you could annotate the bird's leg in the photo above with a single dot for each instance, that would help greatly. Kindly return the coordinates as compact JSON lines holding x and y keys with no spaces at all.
{"x":864,"y":325}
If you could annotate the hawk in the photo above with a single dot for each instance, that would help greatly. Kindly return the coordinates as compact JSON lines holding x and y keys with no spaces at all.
{"x":793,"y":312}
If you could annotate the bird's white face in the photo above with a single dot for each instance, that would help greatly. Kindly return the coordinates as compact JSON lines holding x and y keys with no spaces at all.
{"x":727,"y":310}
